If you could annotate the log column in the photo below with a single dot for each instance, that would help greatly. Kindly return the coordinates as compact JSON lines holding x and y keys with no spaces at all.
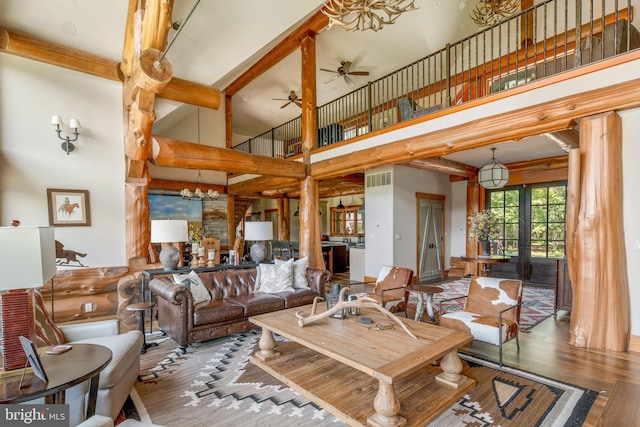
{"x":596,"y":254}
{"x":309,"y":225}
{"x":284,"y":213}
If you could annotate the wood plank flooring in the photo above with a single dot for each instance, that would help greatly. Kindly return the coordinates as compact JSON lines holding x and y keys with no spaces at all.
{"x":545,"y":351}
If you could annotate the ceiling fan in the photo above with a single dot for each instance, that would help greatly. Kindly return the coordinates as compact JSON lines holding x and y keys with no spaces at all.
{"x":293,"y":98}
{"x":344,"y":70}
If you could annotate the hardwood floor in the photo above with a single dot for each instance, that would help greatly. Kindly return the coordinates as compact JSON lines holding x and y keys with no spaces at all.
{"x":545,"y":351}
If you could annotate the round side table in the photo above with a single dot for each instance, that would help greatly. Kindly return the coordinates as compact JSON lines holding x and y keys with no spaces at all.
{"x":139,"y":309}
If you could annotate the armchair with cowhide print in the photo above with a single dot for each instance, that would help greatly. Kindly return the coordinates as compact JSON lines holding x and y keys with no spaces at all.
{"x":491,"y":311}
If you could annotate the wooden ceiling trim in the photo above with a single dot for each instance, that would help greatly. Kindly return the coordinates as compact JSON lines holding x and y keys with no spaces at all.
{"x":515,"y":125}
{"x":438,"y":164}
{"x":315,"y":24}
{"x":181,"y":154}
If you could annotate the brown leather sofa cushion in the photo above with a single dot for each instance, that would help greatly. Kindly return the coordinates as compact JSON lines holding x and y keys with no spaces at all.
{"x":257,"y":303}
{"x":215,"y":312}
{"x":297,"y":298}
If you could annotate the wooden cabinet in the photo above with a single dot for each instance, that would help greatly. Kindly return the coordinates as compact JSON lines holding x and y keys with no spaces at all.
{"x":347,"y":222}
{"x":564,"y":294}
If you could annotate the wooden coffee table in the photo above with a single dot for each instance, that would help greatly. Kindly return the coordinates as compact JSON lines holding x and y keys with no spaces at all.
{"x":363,"y":374}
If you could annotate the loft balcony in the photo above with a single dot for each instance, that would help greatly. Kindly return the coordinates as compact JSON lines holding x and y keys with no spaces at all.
{"x":537,"y":43}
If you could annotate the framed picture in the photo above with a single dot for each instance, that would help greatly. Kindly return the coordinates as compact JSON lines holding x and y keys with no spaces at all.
{"x":68,"y":208}
{"x":32,"y":357}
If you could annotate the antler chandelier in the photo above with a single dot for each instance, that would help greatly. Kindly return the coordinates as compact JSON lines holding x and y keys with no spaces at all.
{"x":489,"y":12}
{"x":352,"y":15}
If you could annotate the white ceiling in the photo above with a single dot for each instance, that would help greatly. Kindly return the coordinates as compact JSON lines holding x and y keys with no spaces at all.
{"x":223,"y":38}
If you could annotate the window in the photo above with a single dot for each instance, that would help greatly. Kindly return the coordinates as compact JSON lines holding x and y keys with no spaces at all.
{"x":507,"y":204}
{"x":548,"y":213}
{"x":347,"y":222}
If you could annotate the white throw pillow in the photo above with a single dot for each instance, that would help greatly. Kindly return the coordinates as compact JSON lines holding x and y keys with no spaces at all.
{"x":198,"y":290}
{"x":299,"y":272}
{"x":276,"y":278}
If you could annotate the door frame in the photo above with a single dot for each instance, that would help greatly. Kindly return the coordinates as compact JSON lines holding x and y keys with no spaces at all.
{"x":429,"y":196}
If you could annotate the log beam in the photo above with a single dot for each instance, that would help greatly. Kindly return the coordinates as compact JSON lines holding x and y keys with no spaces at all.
{"x":449,"y":167}
{"x":596,"y":245}
{"x":77,"y":60}
{"x":182,"y":154}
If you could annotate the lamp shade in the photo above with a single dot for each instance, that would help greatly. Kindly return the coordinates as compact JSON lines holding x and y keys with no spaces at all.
{"x":258,"y":230}
{"x":27,"y":256}
{"x":493,"y":174}
{"x":169,"y":231}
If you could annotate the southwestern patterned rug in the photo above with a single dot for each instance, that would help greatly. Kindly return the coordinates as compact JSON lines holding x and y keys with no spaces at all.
{"x":214,"y":384}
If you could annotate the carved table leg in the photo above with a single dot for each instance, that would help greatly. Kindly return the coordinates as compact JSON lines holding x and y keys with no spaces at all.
{"x":419,"y":307}
{"x":387,"y":407}
{"x":267,"y":345}
{"x":452,"y":367}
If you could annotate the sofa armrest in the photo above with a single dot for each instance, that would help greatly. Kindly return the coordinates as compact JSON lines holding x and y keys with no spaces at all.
{"x":317,"y":278}
{"x":84,"y":330}
{"x":175,"y":294}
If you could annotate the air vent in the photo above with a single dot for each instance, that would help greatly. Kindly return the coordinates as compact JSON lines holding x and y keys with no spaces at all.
{"x":379,"y":179}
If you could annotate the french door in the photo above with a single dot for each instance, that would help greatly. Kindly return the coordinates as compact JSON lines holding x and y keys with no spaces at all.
{"x":430,"y":240}
{"x":533,"y":228}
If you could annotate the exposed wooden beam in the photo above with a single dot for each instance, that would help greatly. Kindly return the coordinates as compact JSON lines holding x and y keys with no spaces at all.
{"x":438,"y":164}
{"x":278,"y":187}
{"x":567,"y":139}
{"x":74,"y":59}
{"x":549,"y":116}
{"x":315,"y":24}
{"x":181,"y":154}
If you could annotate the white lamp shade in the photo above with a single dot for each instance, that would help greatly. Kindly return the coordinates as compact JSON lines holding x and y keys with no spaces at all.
{"x":74,"y":124}
{"x":56,"y":120}
{"x":27,"y":256}
{"x":169,"y":231}
{"x":258,"y":230}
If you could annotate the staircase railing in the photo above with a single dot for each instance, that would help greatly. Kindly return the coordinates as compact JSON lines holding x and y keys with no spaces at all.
{"x":536,"y":43}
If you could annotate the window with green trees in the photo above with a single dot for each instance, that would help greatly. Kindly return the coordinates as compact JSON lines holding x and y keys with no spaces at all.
{"x":506,"y":204}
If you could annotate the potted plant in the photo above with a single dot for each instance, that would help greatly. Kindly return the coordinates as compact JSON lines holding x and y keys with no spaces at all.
{"x":484,"y":227}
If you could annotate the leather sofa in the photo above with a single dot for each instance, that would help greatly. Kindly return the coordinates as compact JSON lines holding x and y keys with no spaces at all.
{"x":233,"y":301}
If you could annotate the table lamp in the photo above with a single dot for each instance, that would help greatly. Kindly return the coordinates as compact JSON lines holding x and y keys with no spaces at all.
{"x":167,"y":232}
{"x":258,"y":231}
{"x":27,"y":260}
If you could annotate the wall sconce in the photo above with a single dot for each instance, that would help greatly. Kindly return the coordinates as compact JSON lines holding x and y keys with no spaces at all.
{"x":74,"y":124}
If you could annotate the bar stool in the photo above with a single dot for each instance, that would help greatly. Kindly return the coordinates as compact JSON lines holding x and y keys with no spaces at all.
{"x":141,"y":307}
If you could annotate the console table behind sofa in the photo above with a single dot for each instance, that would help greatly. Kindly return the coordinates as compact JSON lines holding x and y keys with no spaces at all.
{"x":233,"y":300}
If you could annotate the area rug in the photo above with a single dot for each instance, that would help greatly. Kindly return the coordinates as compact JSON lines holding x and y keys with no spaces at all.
{"x":537,"y":303}
{"x":215,"y":384}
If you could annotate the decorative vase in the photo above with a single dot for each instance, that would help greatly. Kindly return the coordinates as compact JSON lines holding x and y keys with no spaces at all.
{"x":486,"y":248}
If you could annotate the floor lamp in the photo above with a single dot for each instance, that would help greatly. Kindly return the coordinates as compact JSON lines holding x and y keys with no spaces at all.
{"x":258,"y":231}
{"x":27,"y":260}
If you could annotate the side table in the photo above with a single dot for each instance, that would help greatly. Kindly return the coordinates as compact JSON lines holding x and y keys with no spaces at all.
{"x":83,"y":362}
{"x":420,"y":291}
{"x":139,"y":308}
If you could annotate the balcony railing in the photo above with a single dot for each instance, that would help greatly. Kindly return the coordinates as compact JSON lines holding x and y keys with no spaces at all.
{"x":534,"y":44}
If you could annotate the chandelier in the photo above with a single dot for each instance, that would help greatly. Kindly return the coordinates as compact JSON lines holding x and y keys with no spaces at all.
{"x":489,"y":12}
{"x":493,"y":174}
{"x":197,"y":193}
{"x":352,"y":15}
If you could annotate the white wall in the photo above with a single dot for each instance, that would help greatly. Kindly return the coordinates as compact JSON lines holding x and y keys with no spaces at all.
{"x":458,"y":245}
{"x":31,"y":159}
{"x":631,"y":177}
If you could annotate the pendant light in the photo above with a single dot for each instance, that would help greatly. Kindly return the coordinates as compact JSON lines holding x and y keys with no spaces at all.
{"x":493,"y":174}
{"x":340,"y":205}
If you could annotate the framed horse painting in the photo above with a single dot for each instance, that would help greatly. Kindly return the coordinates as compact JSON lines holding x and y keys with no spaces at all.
{"x":68,"y":208}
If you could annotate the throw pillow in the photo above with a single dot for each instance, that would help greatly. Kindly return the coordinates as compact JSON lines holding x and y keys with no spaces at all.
{"x":276,"y":278}
{"x":256,"y":285}
{"x":47,"y":333}
{"x":299,"y":272}
{"x":198,"y":290}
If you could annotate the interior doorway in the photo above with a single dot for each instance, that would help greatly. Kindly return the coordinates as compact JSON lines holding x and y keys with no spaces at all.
{"x":430,"y":234}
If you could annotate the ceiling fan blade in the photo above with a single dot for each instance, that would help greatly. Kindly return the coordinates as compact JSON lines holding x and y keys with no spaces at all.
{"x":329,"y":81}
{"x":279,"y":99}
{"x":358,"y":73}
{"x":286,"y":104}
{"x":298,"y":103}
{"x":348,"y":80}
{"x":329,"y":71}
